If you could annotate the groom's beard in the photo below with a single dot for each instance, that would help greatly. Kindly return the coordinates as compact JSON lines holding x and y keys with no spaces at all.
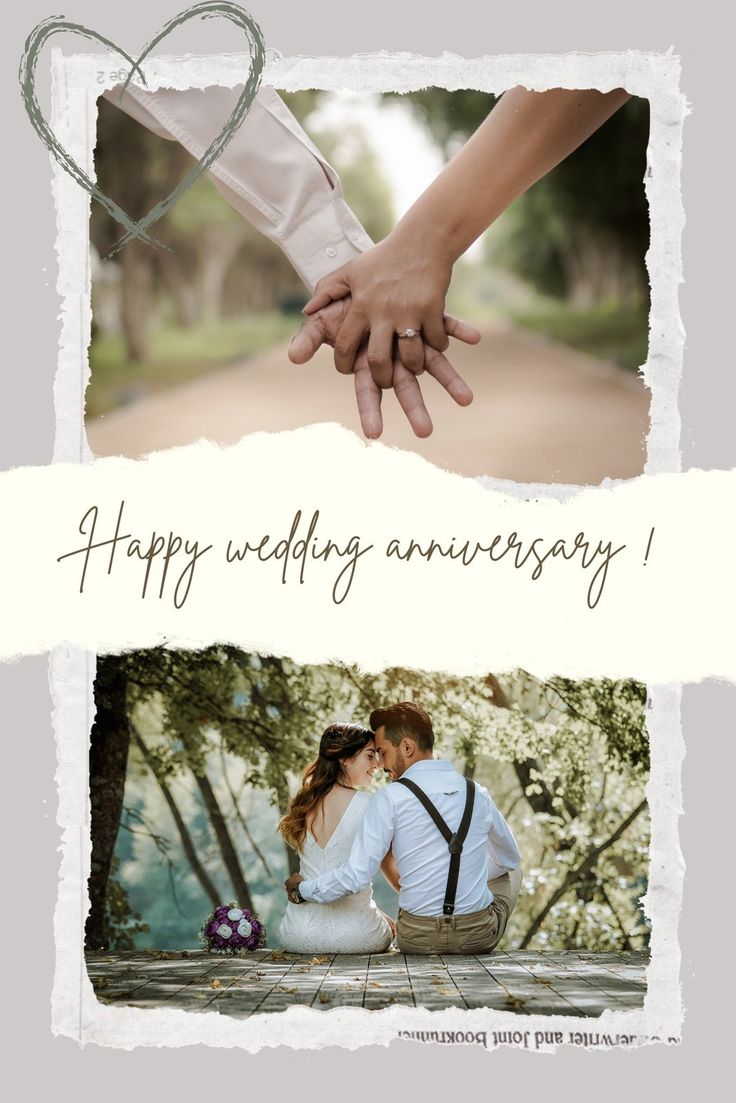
{"x":400,"y":765}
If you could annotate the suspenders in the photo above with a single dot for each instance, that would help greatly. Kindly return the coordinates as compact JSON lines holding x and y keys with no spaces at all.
{"x":454,"y":840}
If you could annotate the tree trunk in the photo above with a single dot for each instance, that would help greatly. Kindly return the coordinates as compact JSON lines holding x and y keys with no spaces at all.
{"x":225,"y":842}
{"x":216,"y":254}
{"x":187,"y":843}
{"x":183,"y":294}
{"x":108,"y":760}
{"x":292,"y":858}
{"x":135,"y":290}
{"x":246,"y":829}
{"x":580,"y":872}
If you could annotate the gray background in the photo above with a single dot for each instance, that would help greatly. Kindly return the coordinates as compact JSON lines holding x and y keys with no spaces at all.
{"x":35,"y":1060}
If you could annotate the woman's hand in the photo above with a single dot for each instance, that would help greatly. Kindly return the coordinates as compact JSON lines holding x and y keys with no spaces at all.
{"x":324,"y":326}
{"x":398,"y":285}
{"x":402,"y":282}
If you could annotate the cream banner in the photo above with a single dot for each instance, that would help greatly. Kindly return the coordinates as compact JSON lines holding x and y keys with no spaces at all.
{"x":314,"y":544}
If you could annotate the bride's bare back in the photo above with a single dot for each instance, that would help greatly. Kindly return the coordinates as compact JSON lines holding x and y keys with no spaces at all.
{"x":328,"y":814}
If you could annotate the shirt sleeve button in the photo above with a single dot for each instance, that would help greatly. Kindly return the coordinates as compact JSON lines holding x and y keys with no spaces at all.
{"x":331,"y":251}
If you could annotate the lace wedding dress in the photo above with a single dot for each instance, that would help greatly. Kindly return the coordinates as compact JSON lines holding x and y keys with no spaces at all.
{"x":351,"y":925}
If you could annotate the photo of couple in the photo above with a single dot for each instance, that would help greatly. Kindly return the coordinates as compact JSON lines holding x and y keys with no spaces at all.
{"x":440,"y":841}
{"x":486,"y":847}
{"x":508,"y":289}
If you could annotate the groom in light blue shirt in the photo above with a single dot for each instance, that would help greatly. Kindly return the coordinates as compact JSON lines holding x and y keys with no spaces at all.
{"x":446,"y":905}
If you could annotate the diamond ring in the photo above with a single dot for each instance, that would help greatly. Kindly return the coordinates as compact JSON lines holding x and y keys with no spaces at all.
{"x":409,"y":333}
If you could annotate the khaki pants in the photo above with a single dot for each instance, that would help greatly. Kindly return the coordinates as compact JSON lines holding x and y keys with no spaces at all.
{"x":476,"y":933}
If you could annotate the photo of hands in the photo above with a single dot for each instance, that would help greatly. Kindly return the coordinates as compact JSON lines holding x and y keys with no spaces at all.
{"x":498,"y":327}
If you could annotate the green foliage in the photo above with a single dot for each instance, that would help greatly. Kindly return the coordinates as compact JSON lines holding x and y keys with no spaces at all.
{"x":178,"y":355}
{"x":303,"y":104}
{"x":200,"y":208}
{"x":611,"y":331}
{"x":566,"y":761}
{"x":449,"y":117}
{"x":122,"y":925}
{"x":584,"y":227}
{"x":615,"y":709}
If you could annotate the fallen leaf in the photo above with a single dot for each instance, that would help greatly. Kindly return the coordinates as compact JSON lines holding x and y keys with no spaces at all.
{"x":324,"y":998}
{"x":319,"y":960}
{"x":215,"y":983}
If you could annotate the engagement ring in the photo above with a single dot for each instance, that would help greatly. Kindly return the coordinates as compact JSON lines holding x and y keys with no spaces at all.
{"x":409,"y":333}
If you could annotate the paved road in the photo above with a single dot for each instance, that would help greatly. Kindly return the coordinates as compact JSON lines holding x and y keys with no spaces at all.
{"x":542,"y":412}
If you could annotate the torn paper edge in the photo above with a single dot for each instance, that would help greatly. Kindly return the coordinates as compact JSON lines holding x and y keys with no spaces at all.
{"x":77,"y":1013}
{"x":76,"y":83}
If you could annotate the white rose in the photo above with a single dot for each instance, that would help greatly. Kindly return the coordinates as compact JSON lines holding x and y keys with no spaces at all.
{"x":245,"y":930}
{"x":235,"y":913}
{"x":224,"y":931}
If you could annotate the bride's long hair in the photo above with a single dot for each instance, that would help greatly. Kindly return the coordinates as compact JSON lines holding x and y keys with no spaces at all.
{"x":338,"y":742}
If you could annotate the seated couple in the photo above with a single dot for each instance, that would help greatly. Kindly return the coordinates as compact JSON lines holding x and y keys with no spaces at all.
{"x":438,"y":838}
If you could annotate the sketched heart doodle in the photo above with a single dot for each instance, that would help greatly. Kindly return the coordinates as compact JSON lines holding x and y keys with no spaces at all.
{"x":56,"y":25}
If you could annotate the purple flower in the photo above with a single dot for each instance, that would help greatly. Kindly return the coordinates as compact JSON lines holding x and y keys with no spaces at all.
{"x":222,"y":934}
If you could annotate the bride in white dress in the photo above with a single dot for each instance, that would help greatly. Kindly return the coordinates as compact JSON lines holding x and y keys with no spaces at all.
{"x":321,"y":824}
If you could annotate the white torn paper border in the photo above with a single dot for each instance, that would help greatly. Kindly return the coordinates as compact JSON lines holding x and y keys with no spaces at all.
{"x":76,"y":83}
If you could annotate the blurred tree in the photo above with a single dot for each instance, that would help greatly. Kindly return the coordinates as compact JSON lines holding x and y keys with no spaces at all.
{"x":449,"y":117}
{"x":187,"y":844}
{"x":136,"y":169}
{"x":207,"y":241}
{"x":566,"y":761}
{"x":582,"y":231}
{"x":304,"y":103}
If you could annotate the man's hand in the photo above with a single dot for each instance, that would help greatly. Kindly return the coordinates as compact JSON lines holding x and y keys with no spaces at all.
{"x":290,"y":886}
{"x":323,"y":327}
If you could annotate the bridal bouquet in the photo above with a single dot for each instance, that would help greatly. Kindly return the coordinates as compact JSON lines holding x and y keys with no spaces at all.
{"x":230,"y":929}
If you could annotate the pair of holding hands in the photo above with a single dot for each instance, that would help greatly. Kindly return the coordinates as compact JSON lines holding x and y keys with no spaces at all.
{"x":360,"y":310}
{"x":401,"y":283}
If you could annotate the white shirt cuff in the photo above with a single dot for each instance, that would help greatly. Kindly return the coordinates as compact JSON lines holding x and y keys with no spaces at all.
{"x":305,"y":890}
